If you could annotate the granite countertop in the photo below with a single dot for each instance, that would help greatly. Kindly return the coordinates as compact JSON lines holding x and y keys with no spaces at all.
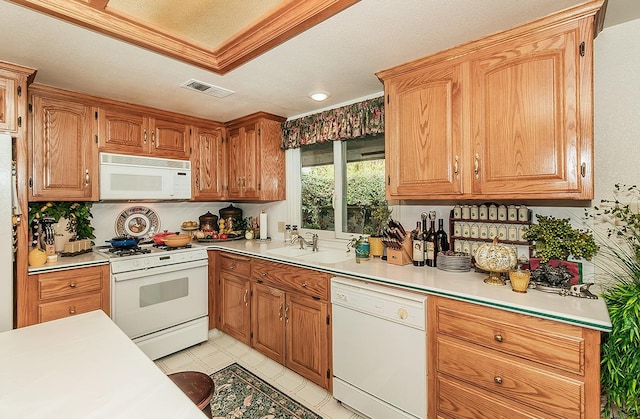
{"x":467,"y":286}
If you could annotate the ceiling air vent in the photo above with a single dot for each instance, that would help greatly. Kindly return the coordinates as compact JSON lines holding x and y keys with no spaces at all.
{"x":206,"y":88}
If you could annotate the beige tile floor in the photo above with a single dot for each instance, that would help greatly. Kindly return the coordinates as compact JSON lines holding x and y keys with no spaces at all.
{"x":222,"y":350}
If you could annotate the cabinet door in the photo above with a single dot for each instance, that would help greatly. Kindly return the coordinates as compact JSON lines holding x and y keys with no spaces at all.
{"x":307,"y":338}
{"x":267,"y":320}
{"x":244,"y":164}
{"x":424,"y":133}
{"x":64,"y":154}
{"x":169,"y":139}
{"x":122,"y":132}
{"x":8,"y":103}
{"x":236,"y":162}
{"x":208,"y":167}
{"x":531,"y":116}
{"x":235,"y":313}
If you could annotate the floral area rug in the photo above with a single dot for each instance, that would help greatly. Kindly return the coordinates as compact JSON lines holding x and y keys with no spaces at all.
{"x":240,"y":394}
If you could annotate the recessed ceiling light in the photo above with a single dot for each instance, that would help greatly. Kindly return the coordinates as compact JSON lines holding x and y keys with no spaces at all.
{"x":319,"y":96}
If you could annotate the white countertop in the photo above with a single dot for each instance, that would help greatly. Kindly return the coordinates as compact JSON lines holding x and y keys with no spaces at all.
{"x":467,"y":286}
{"x":67,"y":262}
{"x":83,"y":366}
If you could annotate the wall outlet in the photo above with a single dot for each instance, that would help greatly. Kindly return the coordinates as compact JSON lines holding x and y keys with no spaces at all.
{"x":280,"y":226}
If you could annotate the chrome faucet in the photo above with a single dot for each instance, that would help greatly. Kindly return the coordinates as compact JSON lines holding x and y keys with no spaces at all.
{"x":313,"y":243}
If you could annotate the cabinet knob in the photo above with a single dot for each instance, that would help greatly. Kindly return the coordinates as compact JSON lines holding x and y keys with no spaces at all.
{"x":304,"y":285}
{"x":498,"y":338}
{"x":72,"y":310}
{"x":232,"y":266}
{"x":72,"y":285}
{"x":497,"y":379}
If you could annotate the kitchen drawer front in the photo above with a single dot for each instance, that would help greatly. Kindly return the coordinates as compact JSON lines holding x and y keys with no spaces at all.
{"x":461,"y":401}
{"x":69,"y":307}
{"x":547,"y":342}
{"x":69,"y":283}
{"x":558,"y":395}
{"x":291,"y":278}
{"x":239,"y":265}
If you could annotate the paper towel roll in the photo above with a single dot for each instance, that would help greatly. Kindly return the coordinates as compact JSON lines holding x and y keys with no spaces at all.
{"x":263,"y":225}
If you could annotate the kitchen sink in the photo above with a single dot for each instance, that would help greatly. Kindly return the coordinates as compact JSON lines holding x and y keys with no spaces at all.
{"x":307,"y":255}
{"x":291,"y":252}
{"x":327,"y":256}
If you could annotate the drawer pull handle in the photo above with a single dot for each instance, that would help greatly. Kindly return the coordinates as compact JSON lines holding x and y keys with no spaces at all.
{"x":263,"y":274}
{"x":72,"y":310}
{"x":286,"y":313}
{"x":232,"y":266}
{"x":244,"y":297}
{"x":72,"y":285}
{"x":280,"y":312}
{"x":497,"y":379}
{"x":304,"y":285}
{"x":498,"y":338}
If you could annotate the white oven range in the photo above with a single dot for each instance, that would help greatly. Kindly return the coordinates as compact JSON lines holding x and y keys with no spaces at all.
{"x":159,"y":299}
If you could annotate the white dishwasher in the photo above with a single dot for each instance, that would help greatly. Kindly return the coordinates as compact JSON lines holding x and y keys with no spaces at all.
{"x":379,"y":349}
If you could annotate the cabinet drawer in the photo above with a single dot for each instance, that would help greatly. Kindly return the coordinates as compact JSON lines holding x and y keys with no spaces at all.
{"x":291,"y":278}
{"x":560,"y":396}
{"x":69,"y":307}
{"x":460,"y":401}
{"x":69,"y":283}
{"x":239,"y":265}
{"x":547,"y":342}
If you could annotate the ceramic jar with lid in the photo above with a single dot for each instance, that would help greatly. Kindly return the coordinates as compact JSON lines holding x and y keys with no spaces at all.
{"x":502,"y":213}
{"x":208,"y":222}
{"x":493,"y":212}
{"x":483,"y":212}
{"x":512,"y":213}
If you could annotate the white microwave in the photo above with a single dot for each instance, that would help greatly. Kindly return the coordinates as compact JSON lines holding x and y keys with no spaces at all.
{"x":124,"y":177}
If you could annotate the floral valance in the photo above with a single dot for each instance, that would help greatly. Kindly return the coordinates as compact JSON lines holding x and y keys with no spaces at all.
{"x":351,"y":121}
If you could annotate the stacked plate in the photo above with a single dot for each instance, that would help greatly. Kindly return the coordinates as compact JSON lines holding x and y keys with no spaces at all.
{"x":454,"y":262}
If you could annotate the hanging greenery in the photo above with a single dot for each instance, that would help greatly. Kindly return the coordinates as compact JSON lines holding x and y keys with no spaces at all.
{"x":78,"y":214}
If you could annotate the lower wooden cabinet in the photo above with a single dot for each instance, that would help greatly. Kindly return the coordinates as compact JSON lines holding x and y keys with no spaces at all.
{"x":489,"y":363}
{"x":234,"y":316}
{"x":58,"y":294}
{"x":280,"y":310}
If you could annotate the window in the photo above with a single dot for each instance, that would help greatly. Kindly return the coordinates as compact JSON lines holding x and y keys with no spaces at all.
{"x":341,"y":183}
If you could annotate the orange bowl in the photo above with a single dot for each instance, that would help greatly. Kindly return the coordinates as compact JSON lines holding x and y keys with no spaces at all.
{"x":177,"y":240}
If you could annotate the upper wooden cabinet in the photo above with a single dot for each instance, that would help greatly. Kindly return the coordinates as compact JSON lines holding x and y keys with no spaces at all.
{"x":256,"y":161}
{"x":123,"y":130}
{"x":64,"y":155}
{"x":507,"y":117}
{"x":13,"y":90}
{"x":208,"y":163}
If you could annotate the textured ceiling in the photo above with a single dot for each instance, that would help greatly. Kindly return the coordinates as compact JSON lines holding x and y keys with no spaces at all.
{"x":339,"y":55}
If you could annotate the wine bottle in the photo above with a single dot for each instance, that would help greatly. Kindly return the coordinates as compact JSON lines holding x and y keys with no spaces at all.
{"x":430,"y":245}
{"x":442,"y":239}
{"x":418,"y":246}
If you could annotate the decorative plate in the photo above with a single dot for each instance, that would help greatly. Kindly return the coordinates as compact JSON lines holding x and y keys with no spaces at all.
{"x":137,"y":222}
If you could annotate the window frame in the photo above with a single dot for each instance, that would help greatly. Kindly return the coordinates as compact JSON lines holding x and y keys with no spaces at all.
{"x":294,"y":189}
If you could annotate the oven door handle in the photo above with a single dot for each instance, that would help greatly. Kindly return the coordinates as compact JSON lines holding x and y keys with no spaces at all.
{"x":141,"y":273}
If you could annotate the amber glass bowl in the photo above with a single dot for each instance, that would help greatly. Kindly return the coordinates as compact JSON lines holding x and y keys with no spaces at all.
{"x":520,"y":280}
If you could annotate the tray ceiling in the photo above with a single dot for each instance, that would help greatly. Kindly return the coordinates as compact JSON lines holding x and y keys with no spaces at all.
{"x":217,"y":35}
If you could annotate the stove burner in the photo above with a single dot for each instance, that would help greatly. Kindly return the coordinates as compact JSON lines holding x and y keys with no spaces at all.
{"x":168,"y":248}
{"x":129,"y":252}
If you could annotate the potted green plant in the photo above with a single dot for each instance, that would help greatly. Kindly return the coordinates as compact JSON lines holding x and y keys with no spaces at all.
{"x":77,"y":213}
{"x":555,"y":240}
{"x":379,"y":219}
{"x":619,"y":270}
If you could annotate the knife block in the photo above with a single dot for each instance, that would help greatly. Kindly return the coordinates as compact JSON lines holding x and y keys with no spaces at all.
{"x":401,"y":256}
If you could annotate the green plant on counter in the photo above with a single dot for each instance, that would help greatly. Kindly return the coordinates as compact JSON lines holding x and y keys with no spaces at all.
{"x":78,"y":214}
{"x":619,"y":261}
{"x":379,"y":219}
{"x":555,"y":238}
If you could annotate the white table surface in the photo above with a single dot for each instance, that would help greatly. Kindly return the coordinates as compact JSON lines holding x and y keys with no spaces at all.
{"x":83,"y":366}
